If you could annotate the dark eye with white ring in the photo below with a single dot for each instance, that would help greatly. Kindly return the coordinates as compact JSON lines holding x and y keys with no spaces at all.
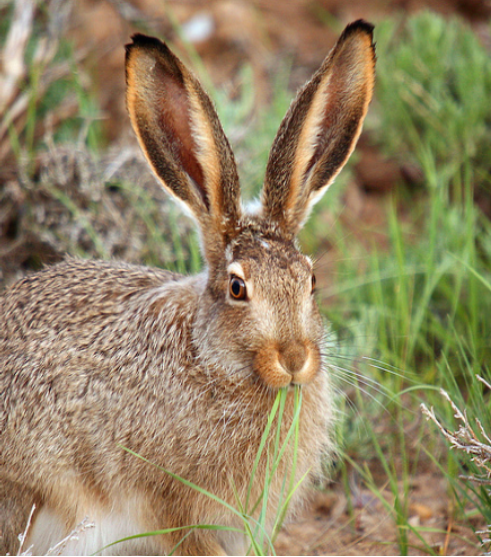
{"x":313,"y":283}
{"x":237,"y":288}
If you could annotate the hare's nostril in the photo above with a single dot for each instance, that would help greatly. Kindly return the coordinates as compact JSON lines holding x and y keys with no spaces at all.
{"x":292,"y":356}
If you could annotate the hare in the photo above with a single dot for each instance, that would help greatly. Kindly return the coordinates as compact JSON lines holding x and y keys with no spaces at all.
{"x":183,"y":370}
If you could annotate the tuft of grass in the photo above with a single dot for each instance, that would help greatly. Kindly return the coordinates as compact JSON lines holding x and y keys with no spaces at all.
{"x":433,"y":86}
{"x":413,"y":314}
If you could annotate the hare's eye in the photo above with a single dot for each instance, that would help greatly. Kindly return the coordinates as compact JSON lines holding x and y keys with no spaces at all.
{"x":237,"y":288}
{"x":313,"y":282}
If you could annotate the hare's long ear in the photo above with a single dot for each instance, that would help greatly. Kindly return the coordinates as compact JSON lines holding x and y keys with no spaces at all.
{"x":181,"y":136}
{"x":320,"y":129}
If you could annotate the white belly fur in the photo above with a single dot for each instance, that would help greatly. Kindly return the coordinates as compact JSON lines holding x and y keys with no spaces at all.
{"x":109,"y":526}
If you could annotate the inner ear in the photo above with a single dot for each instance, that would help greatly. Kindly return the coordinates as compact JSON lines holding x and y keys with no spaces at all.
{"x":181,"y":136}
{"x":320,"y":130}
{"x":333,"y":143}
{"x":174,"y":119}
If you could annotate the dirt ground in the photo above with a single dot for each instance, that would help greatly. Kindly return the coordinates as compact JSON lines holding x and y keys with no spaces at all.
{"x":260,"y":32}
{"x":328,"y":528}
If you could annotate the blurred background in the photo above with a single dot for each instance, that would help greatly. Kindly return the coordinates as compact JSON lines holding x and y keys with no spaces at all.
{"x":402,"y":240}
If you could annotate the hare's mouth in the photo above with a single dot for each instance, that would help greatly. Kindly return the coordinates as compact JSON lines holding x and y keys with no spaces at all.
{"x":290,"y":364}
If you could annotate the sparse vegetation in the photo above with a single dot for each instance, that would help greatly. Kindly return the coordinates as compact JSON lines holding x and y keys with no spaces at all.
{"x":419,"y":306}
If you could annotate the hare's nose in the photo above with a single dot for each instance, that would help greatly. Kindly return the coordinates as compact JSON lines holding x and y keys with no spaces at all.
{"x":292,"y":356}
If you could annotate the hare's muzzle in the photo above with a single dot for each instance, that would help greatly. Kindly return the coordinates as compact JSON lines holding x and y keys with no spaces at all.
{"x":294,"y":362}
{"x":293,"y":357}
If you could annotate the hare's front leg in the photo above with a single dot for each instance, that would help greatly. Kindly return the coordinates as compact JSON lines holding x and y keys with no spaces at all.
{"x":201,"y":542}
{"x":16,"y":503}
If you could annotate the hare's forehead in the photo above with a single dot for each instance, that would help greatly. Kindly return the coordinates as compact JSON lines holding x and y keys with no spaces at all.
{"x":256,"y":257}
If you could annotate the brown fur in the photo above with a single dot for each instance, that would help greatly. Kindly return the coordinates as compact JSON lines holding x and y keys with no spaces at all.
{"x":99,"y":355}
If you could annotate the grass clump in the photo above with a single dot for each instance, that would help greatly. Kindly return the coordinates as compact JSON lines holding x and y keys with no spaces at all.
{"x":434,"y":81}
{"x":414,"y":311}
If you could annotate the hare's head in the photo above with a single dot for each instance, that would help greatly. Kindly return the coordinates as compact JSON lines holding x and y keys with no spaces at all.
{"x":257,"y":311}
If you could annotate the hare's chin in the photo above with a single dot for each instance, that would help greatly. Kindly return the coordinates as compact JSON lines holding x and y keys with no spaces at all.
{"x":278,"y":377}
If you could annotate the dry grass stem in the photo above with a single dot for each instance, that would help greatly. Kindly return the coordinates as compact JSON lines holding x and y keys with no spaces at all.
{"x":466,"y":438}
{"x":60,"y":546}
{"x":22,"y":537}
{"x":72,"y":536}
{"x":13,"y":66}
{"x":16,"y":69}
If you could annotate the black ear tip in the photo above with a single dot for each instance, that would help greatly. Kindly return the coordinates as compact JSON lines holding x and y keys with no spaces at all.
{"x":156,"y":48}
{"x":360,"y":25}
{"x":145,"y":41}
{"x":139,"y":39}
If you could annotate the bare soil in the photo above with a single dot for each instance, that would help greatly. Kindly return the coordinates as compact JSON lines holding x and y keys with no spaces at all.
{"x":329,"y":527}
